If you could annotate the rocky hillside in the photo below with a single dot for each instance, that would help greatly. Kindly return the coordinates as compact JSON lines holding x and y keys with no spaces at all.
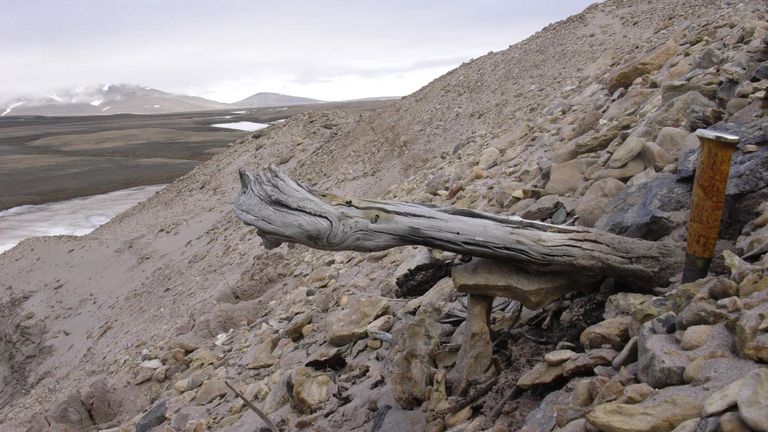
{"x":140,"y":325}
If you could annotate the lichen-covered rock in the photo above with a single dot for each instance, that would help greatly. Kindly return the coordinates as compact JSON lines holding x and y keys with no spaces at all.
{"x":751,"y":338}
{"x":310,"y":389}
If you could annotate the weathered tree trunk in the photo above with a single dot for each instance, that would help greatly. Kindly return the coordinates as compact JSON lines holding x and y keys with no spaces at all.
{"x":283,"y":210}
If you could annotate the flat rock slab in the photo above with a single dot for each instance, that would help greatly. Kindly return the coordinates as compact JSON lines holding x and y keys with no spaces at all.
{"x":500,"y":279}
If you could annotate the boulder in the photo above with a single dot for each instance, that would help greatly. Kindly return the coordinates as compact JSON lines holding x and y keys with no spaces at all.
{"x":624,"y":76}
{"x":624,"y":303}
{"x":350,"y":324}
{"x":690,"y":111}
{"x":672,"y":139}
{"x":293,"y":329}
{"x":210,"y":390}
{"x":673,"y":89}
{"x":154,"y":417}
{"x":260,"y":356}
{"x":695,"y":336}
{"x":753,"y":400}
{"x":632,"y":168}
{"x":565,"y":177}
{"x":751,"y":337}
{"x":71,"y":414}
{"x":655,"y":156}
{"x":660,"y":413}
{"x":627,"y":151}
{"x":661,"y":362}
{"x":722,"y":399}
{"x":188,"y":414}
{"x":557,"y":357}
{"x":496,"y":278}
{"x":613,"y":332}
{"x":595,"y":200}
{"x":647,"y":211}
{"x":310,"y":389}
{"x":541,"y":374}
{"x":544,"y":207}
{"x":489,"y":158}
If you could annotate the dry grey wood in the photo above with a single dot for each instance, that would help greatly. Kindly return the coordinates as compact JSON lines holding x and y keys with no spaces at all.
{"x":283,"y":210}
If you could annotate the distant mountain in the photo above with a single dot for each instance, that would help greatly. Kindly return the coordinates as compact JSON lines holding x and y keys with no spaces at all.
{"x":107,"y":99}
{"x":273,"y":99}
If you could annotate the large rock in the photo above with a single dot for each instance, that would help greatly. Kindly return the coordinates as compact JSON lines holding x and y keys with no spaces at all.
{"x":260,"y":356}
{"x":565,"y":177}
{"x":661,"y":362}
{"x":595,"y":199}
{"x":414,"y":346}
{"x":627,"y":151}
{"x":753,"y":400}
{"x":613,"y":332}
{"x":655,"y":156}
{"x":647,"y":211}
{"x":310,"y":389}
{"x":350,"y":324}
{"x":477,"y":348}
{"x":154,"y":417}
{"x":690,"y":111}
{"x":624,"y":303}
{"x":722,"y":399}
{"x":103,"y":402}
{"x":660,"y":413}
{"x":541,"y":374}
{"x":624,"y":76}
{"x":71,"y":414}
{"x":210,"y":390}
{"x":632,"y":168}
{"x":495,"y":278}
{"x":751,"y":338}
{"x":672,"y":140}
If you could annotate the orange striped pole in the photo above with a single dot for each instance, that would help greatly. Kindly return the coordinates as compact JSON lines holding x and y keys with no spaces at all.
{"x":708,"y":201}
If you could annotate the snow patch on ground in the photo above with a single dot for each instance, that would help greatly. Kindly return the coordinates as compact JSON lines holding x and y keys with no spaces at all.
{"x":10,"y":108}
{"x":77,"y":216}
{"x":243,"y":126}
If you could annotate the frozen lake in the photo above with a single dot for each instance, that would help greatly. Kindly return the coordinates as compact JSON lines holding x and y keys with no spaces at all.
{"x":241,"y":125}
{"x":77,"y":216}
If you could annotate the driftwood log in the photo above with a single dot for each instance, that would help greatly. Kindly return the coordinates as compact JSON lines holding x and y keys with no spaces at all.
{"x":283,"y":210}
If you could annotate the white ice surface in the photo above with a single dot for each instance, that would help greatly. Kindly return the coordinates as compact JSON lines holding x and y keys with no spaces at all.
{"x":242,"y":125}
{"x":77,"y":216}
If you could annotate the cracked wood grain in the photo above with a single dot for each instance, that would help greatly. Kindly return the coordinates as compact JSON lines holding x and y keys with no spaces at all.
{"x":285,"y":211}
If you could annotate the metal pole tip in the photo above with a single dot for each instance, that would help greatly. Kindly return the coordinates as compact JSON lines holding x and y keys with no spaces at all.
{"x":717,"y":136}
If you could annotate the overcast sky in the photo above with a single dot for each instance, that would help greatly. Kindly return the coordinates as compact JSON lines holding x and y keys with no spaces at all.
{"x":228,"y":49}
